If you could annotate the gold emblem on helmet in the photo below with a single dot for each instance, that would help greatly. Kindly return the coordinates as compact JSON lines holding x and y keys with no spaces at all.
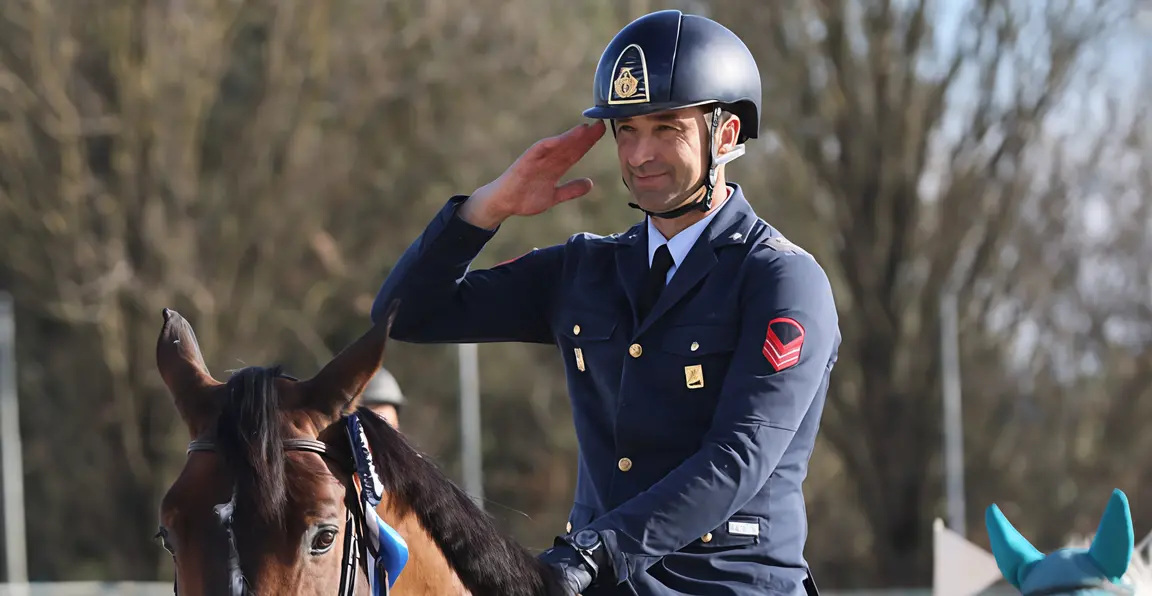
{"x":626,"y":84}
{"x":631,"y":84}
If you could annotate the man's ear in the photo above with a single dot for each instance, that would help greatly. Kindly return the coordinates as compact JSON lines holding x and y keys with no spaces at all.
{"x":728,"y":134}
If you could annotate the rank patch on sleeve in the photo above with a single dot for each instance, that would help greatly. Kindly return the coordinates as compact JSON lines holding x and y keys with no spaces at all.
{"x":783,"y":342}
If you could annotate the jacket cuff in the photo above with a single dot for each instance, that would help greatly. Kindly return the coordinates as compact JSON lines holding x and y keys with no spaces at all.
{"x":459,"y":230}
{"x":623,"y":565}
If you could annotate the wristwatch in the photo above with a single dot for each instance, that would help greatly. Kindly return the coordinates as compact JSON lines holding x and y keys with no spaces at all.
{"x":590,"y":547}
{"x":588,"y":540}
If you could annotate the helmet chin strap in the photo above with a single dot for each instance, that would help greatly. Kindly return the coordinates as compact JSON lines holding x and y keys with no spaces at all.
{"x":708,"y":185}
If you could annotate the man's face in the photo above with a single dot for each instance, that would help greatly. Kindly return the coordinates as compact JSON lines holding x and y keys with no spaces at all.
{"x":662,"y":156}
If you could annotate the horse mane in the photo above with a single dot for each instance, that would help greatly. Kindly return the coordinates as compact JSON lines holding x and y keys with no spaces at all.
{"x":250,"y":439}
{"x":487,"y":561}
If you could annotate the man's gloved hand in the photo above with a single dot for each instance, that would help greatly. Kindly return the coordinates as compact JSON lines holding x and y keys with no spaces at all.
{"x":577,"y":560}
{"x":571,"y":568}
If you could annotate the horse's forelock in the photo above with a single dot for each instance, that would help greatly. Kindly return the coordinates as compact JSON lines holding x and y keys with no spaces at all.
{"x":249,"y":434}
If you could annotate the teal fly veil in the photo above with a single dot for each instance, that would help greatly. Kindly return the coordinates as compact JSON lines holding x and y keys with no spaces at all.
{"x":1096,"y":570}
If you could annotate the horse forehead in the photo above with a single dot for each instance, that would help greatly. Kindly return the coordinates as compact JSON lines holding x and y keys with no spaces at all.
{"x":1065,"y":567}
{"x":202,"y":482}
{"x":312,"y":478}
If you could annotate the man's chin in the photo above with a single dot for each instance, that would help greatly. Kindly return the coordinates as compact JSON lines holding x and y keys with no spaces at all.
{"x":658,"y":204}
{"x":654,"y":202}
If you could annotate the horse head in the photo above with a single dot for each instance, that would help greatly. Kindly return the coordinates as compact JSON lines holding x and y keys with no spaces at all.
{"x":1096,"y":570}
{"x":266,"y":496}
{"x":272,"y":497}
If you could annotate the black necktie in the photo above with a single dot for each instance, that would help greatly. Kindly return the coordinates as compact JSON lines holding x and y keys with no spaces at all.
{"x":654,"y":281}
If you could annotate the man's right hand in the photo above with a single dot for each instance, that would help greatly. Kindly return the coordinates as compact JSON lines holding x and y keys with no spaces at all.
{"x":530,"y":186}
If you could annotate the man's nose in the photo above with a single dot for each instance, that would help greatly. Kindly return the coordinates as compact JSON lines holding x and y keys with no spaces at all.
{"x":643,"y":151}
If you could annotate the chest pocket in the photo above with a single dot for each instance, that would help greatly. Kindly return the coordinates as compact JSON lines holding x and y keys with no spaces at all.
{"x":582,"y":326}
{"x":702,"y":352}
{"x":584,"y":335}
{"x":690,"y":341}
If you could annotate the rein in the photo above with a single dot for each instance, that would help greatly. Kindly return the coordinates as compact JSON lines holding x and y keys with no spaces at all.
{"x":362,"y":529}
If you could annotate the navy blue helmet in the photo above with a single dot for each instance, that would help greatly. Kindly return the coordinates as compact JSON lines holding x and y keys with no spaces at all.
{"x":668,"y":60}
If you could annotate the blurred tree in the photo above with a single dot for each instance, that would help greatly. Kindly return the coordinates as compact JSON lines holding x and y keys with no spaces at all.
{"x":225,"y":159}
{"x":909,"y":136}
{"x":259,"y":165}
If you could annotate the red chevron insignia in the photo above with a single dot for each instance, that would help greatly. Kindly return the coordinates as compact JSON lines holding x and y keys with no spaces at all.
{"x":783,"y":342}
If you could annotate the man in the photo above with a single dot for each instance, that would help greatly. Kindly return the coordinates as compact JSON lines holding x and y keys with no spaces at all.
{"x":697,"y":344}
{"x":383,"y":396}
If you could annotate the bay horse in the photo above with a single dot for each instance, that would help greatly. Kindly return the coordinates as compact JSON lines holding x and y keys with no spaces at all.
{"x":266,"y":501}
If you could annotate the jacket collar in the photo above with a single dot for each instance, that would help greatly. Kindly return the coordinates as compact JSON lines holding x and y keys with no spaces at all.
{"x":732,"y":224}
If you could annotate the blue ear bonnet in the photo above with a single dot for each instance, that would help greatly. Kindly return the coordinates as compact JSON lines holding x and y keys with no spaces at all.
{"x":1098,"y":569}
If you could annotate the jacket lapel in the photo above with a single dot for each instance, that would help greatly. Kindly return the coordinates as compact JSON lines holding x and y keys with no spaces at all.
{"x":631,"y":265}
{"x":700,"y":260}
{"x":730,"y":226}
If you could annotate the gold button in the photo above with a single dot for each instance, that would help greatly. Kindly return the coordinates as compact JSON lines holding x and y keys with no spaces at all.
{"x":635,"y":350}
{"x":568,"y":528}
{"x":695,"y":346}
{"x":624,"y":464}
{"x":707,"y":537}
{"x":575,"y":330}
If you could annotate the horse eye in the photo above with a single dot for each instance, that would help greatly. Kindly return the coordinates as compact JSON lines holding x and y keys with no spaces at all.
{"x":323,"y":541}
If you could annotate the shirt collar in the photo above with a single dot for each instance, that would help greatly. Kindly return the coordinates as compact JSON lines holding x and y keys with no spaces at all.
{"x":681,"y":243}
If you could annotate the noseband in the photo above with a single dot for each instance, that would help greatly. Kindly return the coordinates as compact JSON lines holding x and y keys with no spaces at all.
{"x":363,"y":532}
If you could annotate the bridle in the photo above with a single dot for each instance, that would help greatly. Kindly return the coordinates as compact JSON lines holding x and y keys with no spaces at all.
{"x":357,"y":551}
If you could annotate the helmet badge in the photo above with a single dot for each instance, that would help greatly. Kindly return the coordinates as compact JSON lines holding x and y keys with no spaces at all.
{"x":625,"y":84}
{"x":628,"y":88}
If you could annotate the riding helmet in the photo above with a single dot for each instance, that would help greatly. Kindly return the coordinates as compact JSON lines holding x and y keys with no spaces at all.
{"x":383,"y":389}
{"x":669,"y":60}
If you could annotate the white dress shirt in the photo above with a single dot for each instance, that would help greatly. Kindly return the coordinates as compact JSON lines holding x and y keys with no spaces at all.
{"x":679,"y":245}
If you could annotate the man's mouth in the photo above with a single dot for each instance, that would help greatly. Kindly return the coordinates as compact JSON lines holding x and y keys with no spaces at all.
{"x":649,"y":180}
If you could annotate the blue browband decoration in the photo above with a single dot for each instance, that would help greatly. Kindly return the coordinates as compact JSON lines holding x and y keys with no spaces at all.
{"x":388,"y":553}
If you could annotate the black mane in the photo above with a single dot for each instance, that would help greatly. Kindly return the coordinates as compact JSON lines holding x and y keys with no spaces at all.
{"x":249,"y":437}
{"x":486,"y":561}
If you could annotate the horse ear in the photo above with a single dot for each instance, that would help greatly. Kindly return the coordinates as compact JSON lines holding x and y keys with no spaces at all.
{"x":1115,"y":539}
{"x":1014,"y":554}
{"x":182,"y":367}
{"x":334,"y":389}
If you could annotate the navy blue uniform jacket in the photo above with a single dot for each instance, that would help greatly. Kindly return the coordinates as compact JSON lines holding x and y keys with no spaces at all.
{"x":696,"y":424}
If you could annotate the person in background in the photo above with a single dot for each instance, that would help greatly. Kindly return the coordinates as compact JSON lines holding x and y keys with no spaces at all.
{"x":383,"y":396}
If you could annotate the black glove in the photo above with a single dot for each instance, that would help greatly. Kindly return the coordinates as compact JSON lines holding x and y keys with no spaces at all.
{"x":574,"y":572}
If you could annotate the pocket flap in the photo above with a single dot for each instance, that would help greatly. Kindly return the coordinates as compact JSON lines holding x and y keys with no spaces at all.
{"x":587,"y":325}
{"x":693,"y":340}
{"x":738,"y":530}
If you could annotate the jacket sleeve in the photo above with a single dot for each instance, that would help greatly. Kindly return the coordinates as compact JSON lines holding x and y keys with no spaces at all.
{"x":758,"y":412}
{"x":441,"y":301}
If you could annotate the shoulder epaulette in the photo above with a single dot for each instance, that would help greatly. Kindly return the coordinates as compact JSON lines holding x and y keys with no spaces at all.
{"x":782,"y":244}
